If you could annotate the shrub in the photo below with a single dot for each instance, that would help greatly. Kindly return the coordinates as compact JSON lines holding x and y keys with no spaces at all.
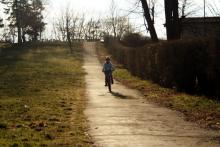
{"x":134,"y":40}
{"x":188,"y":65}
{"x":3,"y":125}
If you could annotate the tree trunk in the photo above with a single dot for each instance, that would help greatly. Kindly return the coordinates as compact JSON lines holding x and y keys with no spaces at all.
{"x":19,"y":33}
{"x":23,"y":36}
{"x":18,"y":21}
{"x":172,"y":19}
{"x":149,"y":21}
{"x":176,"y":20}
{"x":68,"y":35}
{"x":168,"y":16}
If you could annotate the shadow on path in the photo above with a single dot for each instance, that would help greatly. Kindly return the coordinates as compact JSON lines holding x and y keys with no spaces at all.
{"x":121,"y":96}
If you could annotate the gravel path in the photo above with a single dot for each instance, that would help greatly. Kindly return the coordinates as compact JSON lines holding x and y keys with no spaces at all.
{"x":124,"y":119}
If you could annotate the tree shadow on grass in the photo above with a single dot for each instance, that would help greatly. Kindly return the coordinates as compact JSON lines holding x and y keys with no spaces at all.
{"x":4,"y":70}
{"x":9,"y":56}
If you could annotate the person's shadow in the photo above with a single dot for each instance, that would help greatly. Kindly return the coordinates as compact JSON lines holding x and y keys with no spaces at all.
{"x":119,"y":95}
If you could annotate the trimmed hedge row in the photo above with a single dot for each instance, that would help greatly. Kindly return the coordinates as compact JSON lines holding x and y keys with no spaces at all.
{"x":189,"y":65}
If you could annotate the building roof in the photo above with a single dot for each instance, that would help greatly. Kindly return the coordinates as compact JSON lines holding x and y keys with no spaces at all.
{"x":200,"y":20}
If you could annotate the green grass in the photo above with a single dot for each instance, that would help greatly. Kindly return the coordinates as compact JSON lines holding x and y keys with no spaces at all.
{"x":199,"y":109}
{"x":42,"y":97}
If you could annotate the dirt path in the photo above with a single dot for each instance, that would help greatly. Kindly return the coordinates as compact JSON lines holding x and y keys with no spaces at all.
{"x":125,"y":119}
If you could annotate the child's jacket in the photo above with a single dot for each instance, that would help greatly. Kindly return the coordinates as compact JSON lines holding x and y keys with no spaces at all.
{"x":108,"y":67}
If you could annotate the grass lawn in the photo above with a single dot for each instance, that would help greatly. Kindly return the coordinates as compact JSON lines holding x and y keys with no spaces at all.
{"x":42,"y":97}
{"x":199,"y":109}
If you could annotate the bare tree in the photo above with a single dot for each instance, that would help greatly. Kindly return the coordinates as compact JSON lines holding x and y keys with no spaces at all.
{"x":60,"y":25}
{"x":74,"y":25}
{"x":149,"y":20}
{"x":71,"y":27}
{"x":147,"y":10}
{"x":106,"y":26}
{"x":66,"y":26}
{"x":81,"y":27}
{"x":115,"y":24}
{"x":1,"y":23}
{"x":214,"y":8}
{"x":187,"y":8}
{"x":97,"y":31}
{"x":152,"y":5}
{"x":113,"y":17}
{"x":89,"y":29}
{"x":123,"y":26}
{"x":5,"y":35}
{"x":56,"y":34}
{"x":93,"y":29}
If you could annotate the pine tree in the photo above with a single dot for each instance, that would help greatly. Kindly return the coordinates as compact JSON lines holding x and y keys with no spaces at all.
{"x":36,"y":16}
{"x":26,"y":16}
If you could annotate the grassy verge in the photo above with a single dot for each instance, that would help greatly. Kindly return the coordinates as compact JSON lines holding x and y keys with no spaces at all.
{"x":42,"y":97}
{"x":199,"y":109}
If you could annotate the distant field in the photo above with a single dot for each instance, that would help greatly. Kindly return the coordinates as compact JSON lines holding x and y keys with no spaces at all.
{"x":42,"y":97}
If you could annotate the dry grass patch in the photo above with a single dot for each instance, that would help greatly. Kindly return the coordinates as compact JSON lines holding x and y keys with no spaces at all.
{"x":42,"y":97}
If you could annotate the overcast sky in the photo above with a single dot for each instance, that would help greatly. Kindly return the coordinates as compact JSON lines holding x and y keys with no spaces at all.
{"x":100,"y":8}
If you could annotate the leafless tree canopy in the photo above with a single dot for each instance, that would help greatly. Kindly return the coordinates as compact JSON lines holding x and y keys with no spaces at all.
{"x":72,"y":26}
{"x":187,"y":8}
{"x":214,"y":8}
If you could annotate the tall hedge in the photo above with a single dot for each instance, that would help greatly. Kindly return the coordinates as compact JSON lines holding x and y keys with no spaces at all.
{"x":187,"y":65}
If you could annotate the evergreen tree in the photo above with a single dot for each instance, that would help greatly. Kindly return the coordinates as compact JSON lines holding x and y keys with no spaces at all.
{"x":37,"y":25}
{"x":26,"y":16}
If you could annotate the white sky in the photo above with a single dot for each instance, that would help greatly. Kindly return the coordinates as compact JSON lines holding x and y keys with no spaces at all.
{"x":100,"y":8}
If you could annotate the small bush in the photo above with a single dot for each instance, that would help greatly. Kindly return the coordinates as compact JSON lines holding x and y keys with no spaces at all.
{"x":3,"y":125}
{"x":14,"y":145}
{"x":134,"y":40}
